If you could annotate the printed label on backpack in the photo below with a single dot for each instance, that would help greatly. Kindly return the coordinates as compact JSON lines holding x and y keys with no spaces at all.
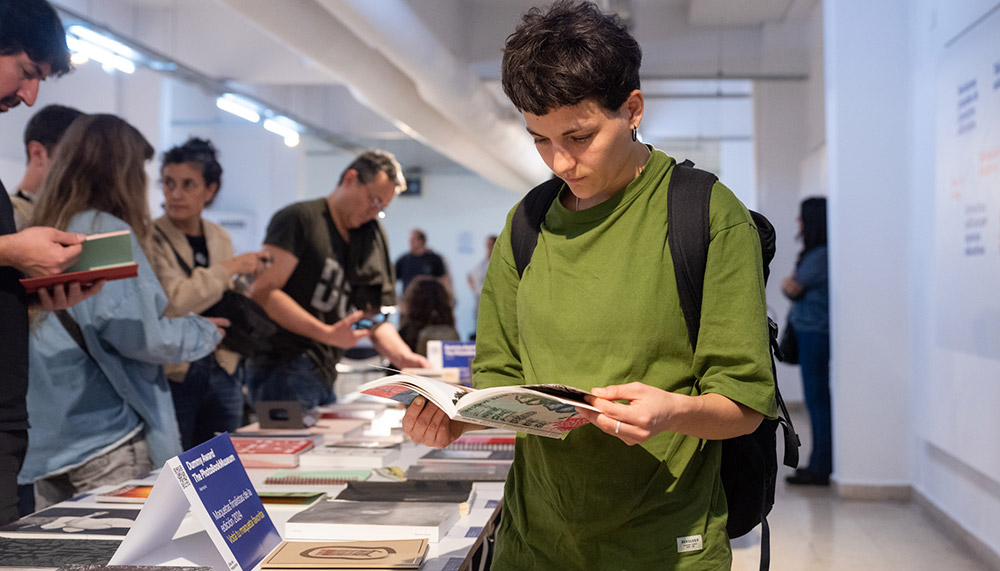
{"x":689,"y":543}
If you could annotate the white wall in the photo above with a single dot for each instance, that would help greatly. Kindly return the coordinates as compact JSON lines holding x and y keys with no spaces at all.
{"x":457,"y":212}
{"x":868,"y":121}
{"x":260,"y":174}
{"x":908,"y":410}
{"x":91,"y":90}
{"x":780,"y":147}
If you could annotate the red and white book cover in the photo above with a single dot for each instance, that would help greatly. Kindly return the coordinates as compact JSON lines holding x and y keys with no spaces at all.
{"x":271,"y":452}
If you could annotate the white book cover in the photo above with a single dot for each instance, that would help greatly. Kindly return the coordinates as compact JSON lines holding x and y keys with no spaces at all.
{"x":328,"y":457}
{"x":338,"y":519}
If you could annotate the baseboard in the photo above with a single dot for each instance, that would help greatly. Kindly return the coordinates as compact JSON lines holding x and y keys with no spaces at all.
{"x":953,"y":529}
{"x":862,"y":493}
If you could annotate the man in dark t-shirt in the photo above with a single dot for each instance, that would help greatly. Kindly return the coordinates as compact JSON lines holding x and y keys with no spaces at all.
{"x":421,"y":261}
{"x":32,"y":47}
{"x":331,"y":269}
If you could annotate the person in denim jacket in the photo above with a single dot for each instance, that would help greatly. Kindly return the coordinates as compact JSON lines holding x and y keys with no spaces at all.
{"x":102,"y":414}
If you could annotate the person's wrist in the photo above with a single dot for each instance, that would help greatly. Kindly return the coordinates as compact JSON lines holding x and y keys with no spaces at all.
{"x":7,"y":250}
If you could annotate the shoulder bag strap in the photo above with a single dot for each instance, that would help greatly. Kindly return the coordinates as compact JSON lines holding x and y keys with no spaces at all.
{"x":180,"y":260}
{"x":73,"y":328}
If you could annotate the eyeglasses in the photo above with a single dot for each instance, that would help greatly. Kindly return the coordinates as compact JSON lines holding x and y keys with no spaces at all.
{"x":374,"y":201}
{"x":186,"y":185}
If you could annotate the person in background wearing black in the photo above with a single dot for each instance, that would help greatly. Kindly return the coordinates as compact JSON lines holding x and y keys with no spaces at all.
{"x":421,"y":261}
{"x":428,"y":314}
{"x":41,"y":135}
{"x":809,"y":289}
{"x":331,"y":268}
{"x":32,"y":48}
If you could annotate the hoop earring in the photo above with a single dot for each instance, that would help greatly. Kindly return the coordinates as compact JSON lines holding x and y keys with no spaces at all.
{"x":635,"y":134}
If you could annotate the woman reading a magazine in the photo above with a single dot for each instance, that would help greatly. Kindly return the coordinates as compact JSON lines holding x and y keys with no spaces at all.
{"x":597,"y":308}
{"x":99,"y":403}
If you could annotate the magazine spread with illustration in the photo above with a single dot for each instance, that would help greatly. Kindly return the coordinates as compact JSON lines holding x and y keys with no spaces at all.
{"x":543,"y":410}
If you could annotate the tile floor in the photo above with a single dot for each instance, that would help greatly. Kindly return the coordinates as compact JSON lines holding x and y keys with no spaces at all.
{"x":814,"y":530}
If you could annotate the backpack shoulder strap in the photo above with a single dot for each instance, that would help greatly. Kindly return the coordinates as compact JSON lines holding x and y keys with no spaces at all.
{"x":180,"y":260}
{"x":688,"y":196}
{"x":73,"y":328}
{"x":527,"y":221}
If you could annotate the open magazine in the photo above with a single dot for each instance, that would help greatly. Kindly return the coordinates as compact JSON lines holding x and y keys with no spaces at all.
{"x":544,"y":410}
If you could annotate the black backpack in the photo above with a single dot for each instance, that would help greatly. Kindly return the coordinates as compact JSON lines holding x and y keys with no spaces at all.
{"x":749,"y":462}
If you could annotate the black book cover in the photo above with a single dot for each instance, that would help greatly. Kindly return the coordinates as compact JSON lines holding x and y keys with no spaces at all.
{"x":409,"y":491}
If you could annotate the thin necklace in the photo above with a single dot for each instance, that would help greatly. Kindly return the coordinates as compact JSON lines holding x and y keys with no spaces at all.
{"x":642,"y":167}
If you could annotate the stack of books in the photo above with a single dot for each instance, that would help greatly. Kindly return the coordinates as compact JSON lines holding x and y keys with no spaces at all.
{"x":255,"y":452}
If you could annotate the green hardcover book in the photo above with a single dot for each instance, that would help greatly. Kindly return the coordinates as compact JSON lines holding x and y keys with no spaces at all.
{"x":102,"y":251}
{"x":103,"y":257}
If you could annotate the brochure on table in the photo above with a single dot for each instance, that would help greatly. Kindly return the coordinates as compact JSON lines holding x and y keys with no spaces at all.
{"x":211,"y":480}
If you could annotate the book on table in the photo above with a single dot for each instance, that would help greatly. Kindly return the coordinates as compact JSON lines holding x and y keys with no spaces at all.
{"x":126,"y":494}
{"x":271,"y":452}
{"x":382,"y":554}
{"x":294,"y":499}
{"x":74,"y":523}
{"x":329,"y":430}
{"x":336,"y":457}
{"x":447,"y":491}
{"x":340,"y":519}
{"x":447,"y":456}
{"x":105,"y":256}
{"x":316,"y":477}
{"x":543,"y":410}
{"x":33,"y":553}
{"x":89,"y":567}
{"x":351,"y":410}
{"x":472,"y":472}
{"x":490,"y":439}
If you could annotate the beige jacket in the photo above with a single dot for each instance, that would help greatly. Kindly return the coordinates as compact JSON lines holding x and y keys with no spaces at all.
{"x":197,"y":292}
{"x":23,"y":210}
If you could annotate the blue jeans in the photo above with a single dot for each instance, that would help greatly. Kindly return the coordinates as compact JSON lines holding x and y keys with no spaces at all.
{"x":298,"y":378}
{"x":210,"y":400}
{"x":814,"y":358}
{"x":127,"y":461}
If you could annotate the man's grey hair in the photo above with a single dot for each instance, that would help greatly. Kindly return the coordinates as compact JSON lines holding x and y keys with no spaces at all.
{"x":369,"y":163}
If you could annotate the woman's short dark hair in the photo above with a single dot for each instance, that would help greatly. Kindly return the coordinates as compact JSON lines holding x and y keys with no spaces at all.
{"x":33,"y":27}
{"x":568,"y":54}
{"x":202,"y":153}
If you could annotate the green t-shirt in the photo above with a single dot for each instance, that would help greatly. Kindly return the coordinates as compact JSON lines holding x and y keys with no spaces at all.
{"x":598,"y":306}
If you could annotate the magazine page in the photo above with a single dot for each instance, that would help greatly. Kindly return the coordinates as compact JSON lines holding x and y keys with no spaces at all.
{"x":523,"y":410}
{"x":404,"y":388}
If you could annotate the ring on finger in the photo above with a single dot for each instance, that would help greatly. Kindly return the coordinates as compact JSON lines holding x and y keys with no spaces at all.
{"x":618,"y":426}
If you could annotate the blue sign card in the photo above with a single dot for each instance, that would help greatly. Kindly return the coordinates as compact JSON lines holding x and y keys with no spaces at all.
{"x":223,"y":488}
{"x":459,"y":354}
{"x":215,"y":485}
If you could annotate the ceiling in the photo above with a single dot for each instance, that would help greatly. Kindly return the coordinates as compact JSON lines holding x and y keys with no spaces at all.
{"x":421,"y":77}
